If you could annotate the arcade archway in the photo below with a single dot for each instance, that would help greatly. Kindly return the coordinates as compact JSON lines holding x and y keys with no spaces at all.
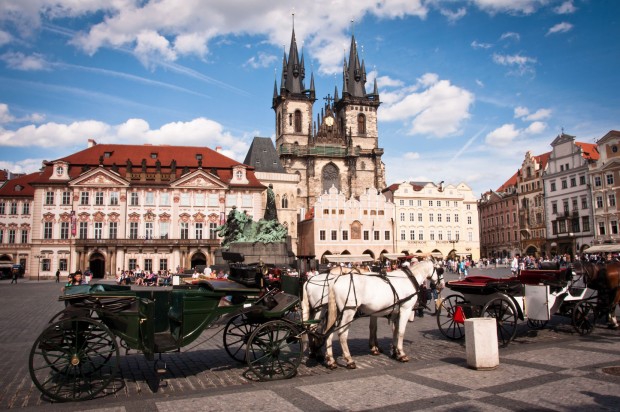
{"x":96,"y":264}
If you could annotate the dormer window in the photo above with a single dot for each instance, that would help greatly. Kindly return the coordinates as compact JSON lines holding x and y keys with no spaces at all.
{"x":239,"y":175}
{"x":107,"y":154}
{"x":153,"y":155}
{"x":19,"y":188}
{"x":60,"y":170}
{"x":198,"y":156}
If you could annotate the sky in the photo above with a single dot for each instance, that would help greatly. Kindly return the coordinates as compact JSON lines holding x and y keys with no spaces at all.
{"x":467,"y":86}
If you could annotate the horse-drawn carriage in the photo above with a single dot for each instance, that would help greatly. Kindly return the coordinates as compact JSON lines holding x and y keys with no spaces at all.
{"x":535,"y":295}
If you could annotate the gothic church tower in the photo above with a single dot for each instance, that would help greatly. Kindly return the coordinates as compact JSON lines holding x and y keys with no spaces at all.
{"x":340,"y":148}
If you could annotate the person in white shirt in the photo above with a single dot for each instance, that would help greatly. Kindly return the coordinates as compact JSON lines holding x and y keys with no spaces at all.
{"x":514,"y":266}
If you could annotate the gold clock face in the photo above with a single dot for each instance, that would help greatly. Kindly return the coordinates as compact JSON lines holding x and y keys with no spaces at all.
{"x":329,"y":121}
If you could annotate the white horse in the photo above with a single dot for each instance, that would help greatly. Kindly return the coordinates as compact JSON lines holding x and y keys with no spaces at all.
{"x":393,"y":296}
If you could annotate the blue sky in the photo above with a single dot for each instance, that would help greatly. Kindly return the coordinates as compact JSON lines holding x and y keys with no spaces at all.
{"x":467,"y":86}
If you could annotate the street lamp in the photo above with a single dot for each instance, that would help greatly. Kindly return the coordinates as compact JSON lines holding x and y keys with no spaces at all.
{"x":39,"y":267}
{"x":453,"y":245}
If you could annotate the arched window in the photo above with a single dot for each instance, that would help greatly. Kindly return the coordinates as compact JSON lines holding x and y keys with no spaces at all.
{"x":297,"y":121}
{"x":284,"y":202}
{"x":361,"y":124}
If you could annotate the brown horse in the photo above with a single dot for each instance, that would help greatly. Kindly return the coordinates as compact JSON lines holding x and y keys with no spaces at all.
{"x":605,"y":279}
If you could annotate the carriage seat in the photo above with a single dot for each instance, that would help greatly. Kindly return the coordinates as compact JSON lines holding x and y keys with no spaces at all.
{"x":275,"y":307}
{"x":554,"y":278}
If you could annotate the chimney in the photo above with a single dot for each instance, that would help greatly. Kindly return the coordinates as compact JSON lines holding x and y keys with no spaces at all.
{"x":91,"y":143}
{"x":218,"y":149}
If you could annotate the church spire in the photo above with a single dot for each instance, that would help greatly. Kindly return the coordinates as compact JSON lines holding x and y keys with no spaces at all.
{"x":354,"y":73}
{"x":295,"y":72}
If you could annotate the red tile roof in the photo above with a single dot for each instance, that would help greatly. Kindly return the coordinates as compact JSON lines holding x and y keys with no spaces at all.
{"x":186,"y":157}
{"x":509,"y":183}
{"x":19,"y":186}
{"x":590,"y":151}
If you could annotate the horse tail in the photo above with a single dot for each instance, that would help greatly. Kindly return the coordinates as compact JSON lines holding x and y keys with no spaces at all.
{"x":332,"y":309}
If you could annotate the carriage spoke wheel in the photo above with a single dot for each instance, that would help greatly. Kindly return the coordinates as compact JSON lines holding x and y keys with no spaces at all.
{"x":74,"y":359}
{"x":236,"y":334}
{"x":449,"y":326}
{"x":505,"y":316}
{"x":536,"y":323}
{"x":584,"y":317}
{"x":274,"y":351}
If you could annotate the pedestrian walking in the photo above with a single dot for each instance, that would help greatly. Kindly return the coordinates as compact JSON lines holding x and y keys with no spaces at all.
{"x":15,"y":273}
{"x":58,"y":276}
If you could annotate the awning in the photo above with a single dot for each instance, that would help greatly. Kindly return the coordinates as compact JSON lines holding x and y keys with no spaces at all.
{"x":348,"y":258}
{"x":603,"y":249}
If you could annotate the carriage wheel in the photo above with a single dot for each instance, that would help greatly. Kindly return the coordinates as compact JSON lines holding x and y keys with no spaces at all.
{"x":505,"y":315}
{"x":536,"y":324}
{"x":584,"y":317}
{"x":449,"y":326}
{"x":236,"y":335}
{"x":274,"y":351}
{"x":74,"y":359}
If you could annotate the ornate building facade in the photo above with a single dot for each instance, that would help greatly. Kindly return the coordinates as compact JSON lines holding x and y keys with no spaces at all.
{"x":431,"y":218}
{"x":499,"y":225}
{"x":113,"y":207}
{"x":341,"y":148}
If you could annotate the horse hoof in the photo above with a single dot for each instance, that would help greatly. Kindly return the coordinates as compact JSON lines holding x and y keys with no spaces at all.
{"x":351,"y":365}
{"x":331,"y":366}
{"x":403,"y":358}
{"x":375,"y":352}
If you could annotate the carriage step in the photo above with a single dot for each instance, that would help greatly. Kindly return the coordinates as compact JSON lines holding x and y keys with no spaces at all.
{"x":164,"y":342}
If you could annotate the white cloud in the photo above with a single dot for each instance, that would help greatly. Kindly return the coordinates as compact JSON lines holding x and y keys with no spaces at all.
{"x":477,"y":45}
{"x":438,"y":108}
{"x":19,"y":61}
{"x":560,"y":28}
{"x":540,"y":114}
{"x":510,"y":36}
{"x":522,"y":64}
{"x":479,"y":83}
{"x":566,"y":8}
{"x":536,"y":128}
{"x":7,"y":117}
{"x":386,"y":81}
{"x":191,"y":43}
{"x":509,"y":6}
{"x":22,"y":166}
{"x":196,"y":132}
{"x":521,"y":111}
{"x":453,"y":15}
{"x":502,"y":136}
{"x":262,"y":60}
{"x":411,"y":155}
{"x":5,"y":37}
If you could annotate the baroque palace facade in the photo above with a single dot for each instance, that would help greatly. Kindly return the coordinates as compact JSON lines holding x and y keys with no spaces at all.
{"x":113,"y":207}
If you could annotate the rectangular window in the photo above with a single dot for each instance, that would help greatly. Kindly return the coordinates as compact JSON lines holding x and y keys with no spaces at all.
{"x":456,"y":218}
{"x":198,"y":230}
{"x":26,"y":208}
{"x":163,"y":264}
{"x":164,"y":199}
{"x":610,"y":178}
{"x":438,"y":217}
{"x":402,"y":216}
{"x":366,"y":235}
{"x":401,"y":202}
{"x":421,"y":235}
{"x":98,"y":230}
{"x":431,"y":217}
{"x":132,"y":264}
{"x":410,"y":202}
{"x":149,"y":199}
{"x":599,"y":202}
{"x":419,"y":217}
{"x":99,"y":198}
{"x":419,"y":203}
{"x":597,"y":181}
{"x":24,"y":236}
{"x":62,"y":264}
{"x":468,"y":207}
{"x":49,"y":198}
{"x":322,"y":235}
{"x":562,"y":226}
{"x":212,"y":230}
{"x":231,"y":200}
{"x":376,"y":235}
{"x":430,"y":203}
{"x":83,"y":230}
{"x":66,"y":198}
{"x":584,"y":202}
{"x":440,"y":235}
{"x":133,"y":230}
{"x":134,"y":199}
{"x":573,"y":181}
{"x":184,"y":230}
{"x":447,"y":218}
{"x":2,"y":205}
{"x":47,"y":231}
{"x":611,"y":199}
{"x":585,"y":223}
{"x":412,"y":234}
{"x":46,"y":265}
{"x":164,"y":228}
{"x":432,"y":235}
{"x":411,"y":217}
{"x":334,"y":234}
{"x":614,"y":227}
{"x":439,"y":203}
{"x":84,"y":198}
{"x":13,"y":208}
{"x":113,"y":198}
{"x":553,"y":186}
{"x":64,"y":230}
{"x":345,"y":235}
{"x":246,"y":201}
{"x":387,"y":235}
{"x":148,"y":230}
{"x":403,"y":235}
{"x":601,"y":228}
{"x":148,"y":265}
{"x":582,"y":180}
{"x":113,"y":230}
{"x":469,"y":220}
{"x":199,"y":199}
{"x":213,"y":200}
{"x":12,"y":234}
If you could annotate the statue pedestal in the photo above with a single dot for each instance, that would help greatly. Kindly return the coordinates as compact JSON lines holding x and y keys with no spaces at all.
{"x":279,"y":254}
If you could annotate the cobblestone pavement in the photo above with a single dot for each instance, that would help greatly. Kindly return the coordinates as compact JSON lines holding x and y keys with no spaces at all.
{"x":537,"y":369}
